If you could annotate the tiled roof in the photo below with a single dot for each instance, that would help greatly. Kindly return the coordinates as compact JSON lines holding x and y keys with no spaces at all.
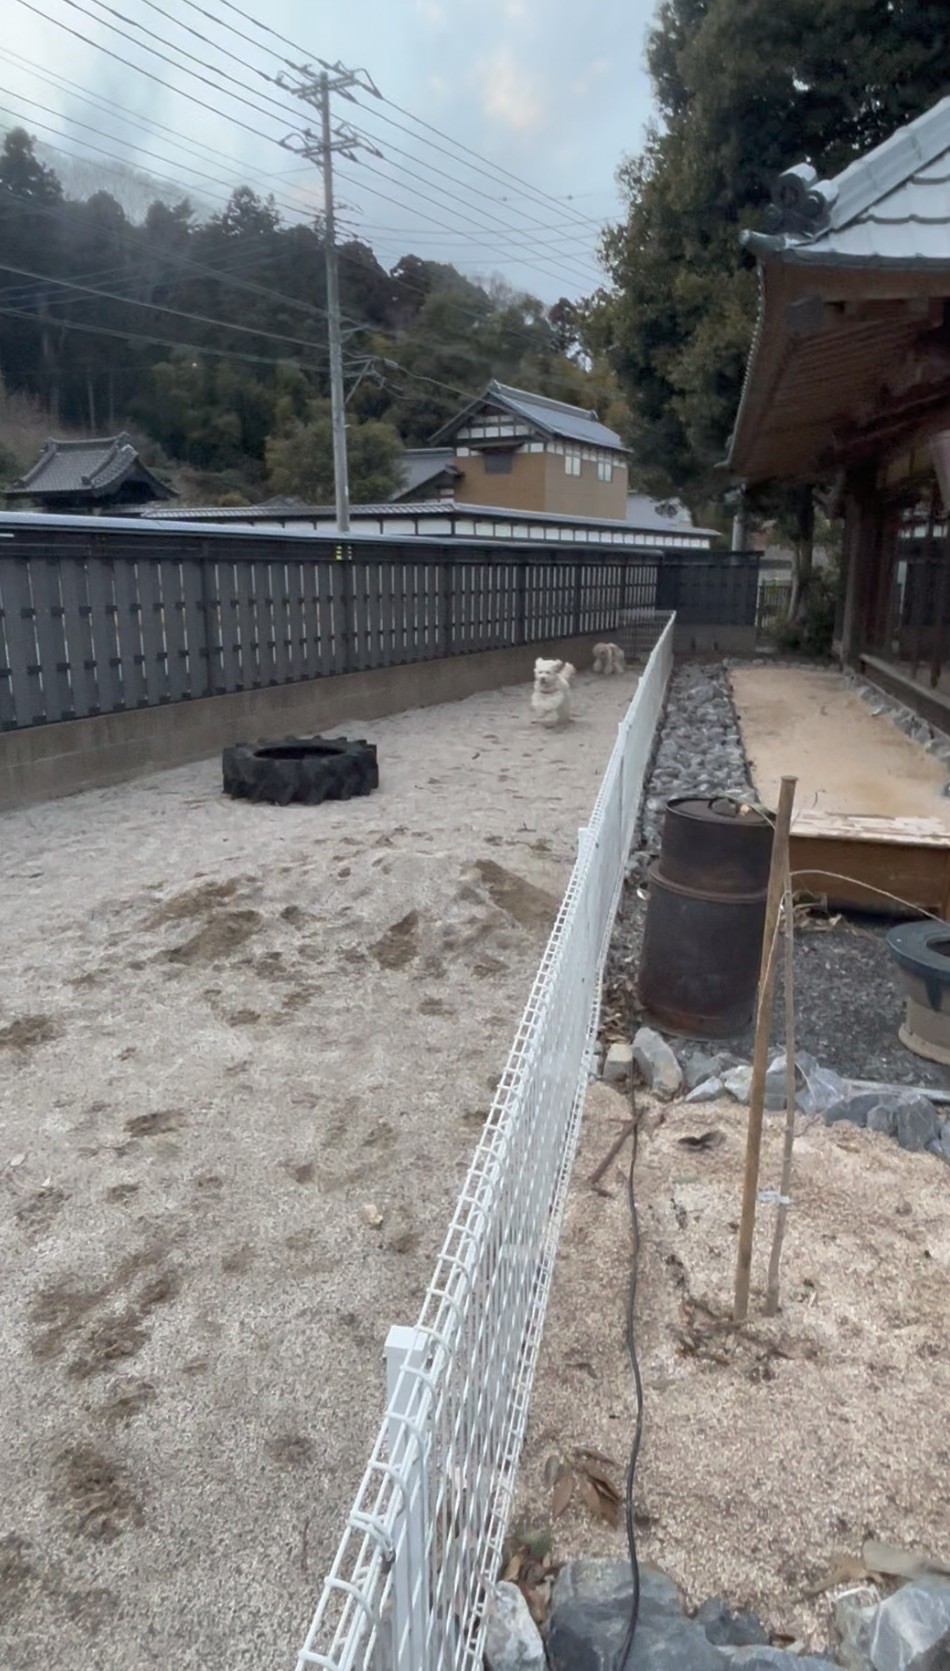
{"x":95,"y":467}
{"x":424,"y":464}
{"x":890,"y":207}
{"x":551,"y":417}
{"x":420,"y":508}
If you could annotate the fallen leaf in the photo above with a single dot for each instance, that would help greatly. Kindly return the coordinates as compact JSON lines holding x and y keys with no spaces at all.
{"x":552,"y":1469}
{"x":513,"y":1569}
{"x":538,"y":1597}
{"x":602,"y":1481}
{"x":602,"y":1505}
{"x":372,"y":1215}
{"x":563,"y":1490}
{"x":892,"y":1562}
{"x":582,"y":1452}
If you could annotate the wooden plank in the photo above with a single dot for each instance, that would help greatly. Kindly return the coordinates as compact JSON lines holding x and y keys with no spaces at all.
{"x":128,"y":605}
{"x":173,"y":622}
{"x":154,"y":647}
{"x":51,"y":639}
{"x":100,"y":572}
{"x":879,"y":876}
{"x":20,"y":630}
{"x":874,"y":827}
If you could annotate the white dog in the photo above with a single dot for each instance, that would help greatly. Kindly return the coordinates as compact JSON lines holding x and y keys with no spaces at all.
{"x":608,"y":658}
{"x":551,"y":697}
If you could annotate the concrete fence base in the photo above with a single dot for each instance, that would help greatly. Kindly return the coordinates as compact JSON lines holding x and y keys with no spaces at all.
{"x":42,"y":762}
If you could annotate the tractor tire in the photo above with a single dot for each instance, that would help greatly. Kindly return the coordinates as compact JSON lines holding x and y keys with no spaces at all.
{"x":307,"y":769}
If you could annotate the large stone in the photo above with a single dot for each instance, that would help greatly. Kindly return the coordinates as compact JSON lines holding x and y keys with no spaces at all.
{"x":512,"y":1639}
{"x":698,"y":1066}
{"x":657,"y":1063}
{"x":709,"y":1091}
{"x":738,"y":1082}
{"x":855,"y":1613}
{"x":618,"y":1063}
{"x":726,"y":1629}
{"x":883,"y":1117}
{"x":855,"y":1108}
{"x":590,"y":1615}
{"x":912,"y":1629}
{"x":918,"y":1122}
{"x":773,"y":1659}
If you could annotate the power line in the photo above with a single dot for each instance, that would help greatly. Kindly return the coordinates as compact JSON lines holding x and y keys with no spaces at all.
{"x":495,"y":169}
{"x":282,"y":109}
{"x":98,"y":101}
{"x":140,"y":336}
{"x":156,"y":307}
{"x":127,"y":64}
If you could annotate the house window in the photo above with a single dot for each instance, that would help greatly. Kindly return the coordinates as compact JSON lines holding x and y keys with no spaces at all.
{"x":498,"y":464}
{"x":572,"y":463}
{"x":605,"y":470}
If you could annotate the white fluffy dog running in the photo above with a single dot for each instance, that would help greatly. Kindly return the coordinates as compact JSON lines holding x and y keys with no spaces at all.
{"x":608,"y":658}
{"x":551,"y":697}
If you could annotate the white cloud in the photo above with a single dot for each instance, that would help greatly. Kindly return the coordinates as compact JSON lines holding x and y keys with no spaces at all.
{"x":589,"y":78}
{"x":508,"y":93}
{"x":432,"y":10}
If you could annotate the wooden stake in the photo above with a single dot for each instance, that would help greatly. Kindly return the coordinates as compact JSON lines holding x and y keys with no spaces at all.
{"x":771,"y":1295}
{"x":760,"y":1056}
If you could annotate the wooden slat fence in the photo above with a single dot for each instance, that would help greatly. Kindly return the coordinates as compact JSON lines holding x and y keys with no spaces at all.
{"x":100,"y":620}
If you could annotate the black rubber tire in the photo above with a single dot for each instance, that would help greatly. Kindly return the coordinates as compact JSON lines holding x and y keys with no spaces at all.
{"x":307,"y":769}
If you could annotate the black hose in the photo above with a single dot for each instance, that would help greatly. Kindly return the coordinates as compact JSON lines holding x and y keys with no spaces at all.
{"x":624,"y":1655}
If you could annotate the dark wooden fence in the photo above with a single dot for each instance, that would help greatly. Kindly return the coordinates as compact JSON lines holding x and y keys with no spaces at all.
{"x":98,"y":620}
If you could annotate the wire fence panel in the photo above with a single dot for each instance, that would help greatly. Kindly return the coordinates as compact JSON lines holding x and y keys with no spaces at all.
{"x":422,"y":1547}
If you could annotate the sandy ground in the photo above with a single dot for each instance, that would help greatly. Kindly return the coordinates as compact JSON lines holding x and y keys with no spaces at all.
{"x":226,"y":1032}
{"x":806,"y":723}
{"x":768,"y":1455}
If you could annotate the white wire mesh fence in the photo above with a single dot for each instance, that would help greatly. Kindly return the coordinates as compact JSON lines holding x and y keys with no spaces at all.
{"x":422,"y":1546}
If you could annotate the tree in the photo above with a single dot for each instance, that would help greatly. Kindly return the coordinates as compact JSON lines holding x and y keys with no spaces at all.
{"x":300,"y":462}
{"x":22,"y":173}
{"x":745,"y":89}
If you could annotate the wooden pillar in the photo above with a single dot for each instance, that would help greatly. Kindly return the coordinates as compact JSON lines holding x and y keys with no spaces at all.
{"x":862,"y":543}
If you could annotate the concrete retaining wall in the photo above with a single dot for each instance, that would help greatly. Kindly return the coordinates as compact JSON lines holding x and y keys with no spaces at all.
{"x":45,"y":761}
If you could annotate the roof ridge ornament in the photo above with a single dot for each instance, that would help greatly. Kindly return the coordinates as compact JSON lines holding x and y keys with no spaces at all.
{"x":801,"y":203}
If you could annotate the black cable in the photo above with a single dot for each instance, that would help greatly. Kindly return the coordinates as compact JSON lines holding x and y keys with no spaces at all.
{"x":624,"y":1655}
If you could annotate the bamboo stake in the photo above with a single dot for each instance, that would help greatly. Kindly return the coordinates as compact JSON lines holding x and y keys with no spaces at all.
{"x":777,"y":874}
{"x":771,"y":1295}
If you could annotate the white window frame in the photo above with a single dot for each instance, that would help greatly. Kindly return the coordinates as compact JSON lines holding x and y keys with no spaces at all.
{"x":572,"y":462}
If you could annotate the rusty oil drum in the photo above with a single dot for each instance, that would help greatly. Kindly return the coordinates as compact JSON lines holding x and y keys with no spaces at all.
{"x":702,"y":940}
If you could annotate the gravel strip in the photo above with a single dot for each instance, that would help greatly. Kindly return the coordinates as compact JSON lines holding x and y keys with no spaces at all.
{"x":848,"y":1001}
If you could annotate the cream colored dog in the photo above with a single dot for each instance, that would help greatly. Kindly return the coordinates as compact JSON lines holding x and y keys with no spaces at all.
{"x":551,"y":697}
{"x":608,"y":658}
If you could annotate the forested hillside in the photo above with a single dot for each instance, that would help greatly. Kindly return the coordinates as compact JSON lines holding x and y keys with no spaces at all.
{"x":207,"y":338}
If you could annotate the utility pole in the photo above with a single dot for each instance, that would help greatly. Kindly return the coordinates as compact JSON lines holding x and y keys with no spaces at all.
{"x":316,"y":87}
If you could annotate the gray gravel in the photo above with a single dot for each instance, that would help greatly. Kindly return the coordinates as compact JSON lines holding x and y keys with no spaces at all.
{"x":848,"y":1003}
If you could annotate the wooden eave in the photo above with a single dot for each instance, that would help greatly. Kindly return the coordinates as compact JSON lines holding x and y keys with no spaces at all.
{"x":845,"y":362}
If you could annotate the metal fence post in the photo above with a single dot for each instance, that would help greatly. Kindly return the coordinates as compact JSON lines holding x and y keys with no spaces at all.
{"x":406,"y":1349}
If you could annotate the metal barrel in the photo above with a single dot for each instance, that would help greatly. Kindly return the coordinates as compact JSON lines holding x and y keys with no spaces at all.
{"x":720,"y":845}
{"x":702,"y":940}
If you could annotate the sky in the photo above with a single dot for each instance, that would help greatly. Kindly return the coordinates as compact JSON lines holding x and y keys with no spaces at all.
{"x":550,"y":94}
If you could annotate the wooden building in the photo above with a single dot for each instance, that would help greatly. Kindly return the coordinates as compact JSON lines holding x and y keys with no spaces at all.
{"x":848,"y":383}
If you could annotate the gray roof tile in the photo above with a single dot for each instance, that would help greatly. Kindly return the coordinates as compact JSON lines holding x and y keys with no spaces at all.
{"x":93,"y":467}
{"x":551,"y":417}
{"x":890,"y":207}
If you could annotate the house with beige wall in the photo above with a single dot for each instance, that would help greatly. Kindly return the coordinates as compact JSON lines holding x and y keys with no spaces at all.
{"x":521,"y":451}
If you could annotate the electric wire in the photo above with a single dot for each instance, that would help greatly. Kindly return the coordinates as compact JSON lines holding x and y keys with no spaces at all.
{"x":624,"y":1655}
{"x":158,"y":307}
{"x":159,"y":342}
{"x":486,"y":165}
{"x":281,"y":112}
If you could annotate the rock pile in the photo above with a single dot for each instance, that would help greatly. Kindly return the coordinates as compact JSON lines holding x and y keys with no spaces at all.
{"x":590,"y":1612}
